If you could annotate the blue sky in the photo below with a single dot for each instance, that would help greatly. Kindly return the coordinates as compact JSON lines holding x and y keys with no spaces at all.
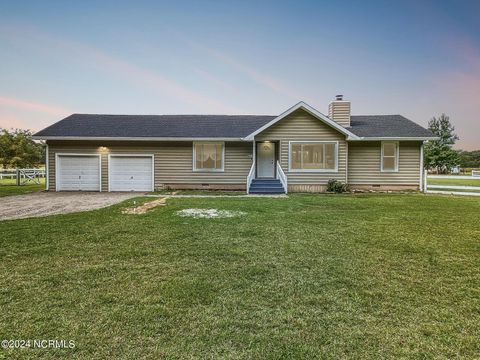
{"x":415,"y":58}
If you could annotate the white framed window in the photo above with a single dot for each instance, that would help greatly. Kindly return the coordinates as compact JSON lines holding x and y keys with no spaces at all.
{"x":390,"y":156}
{"x":313,"y":156}
{"x":208,"y":156}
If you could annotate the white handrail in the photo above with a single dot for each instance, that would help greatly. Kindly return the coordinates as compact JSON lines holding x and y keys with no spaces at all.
{"x":251,"y":175}
{"x":282,"y":177}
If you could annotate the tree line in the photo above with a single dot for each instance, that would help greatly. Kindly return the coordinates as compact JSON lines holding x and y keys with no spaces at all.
{"x":469,"y":159}
{"x":19,"y":150}
{"x":439,"y":154}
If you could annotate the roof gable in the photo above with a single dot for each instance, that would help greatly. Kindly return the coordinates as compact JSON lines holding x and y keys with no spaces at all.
{"x":300,"y":125}
{"x":312,"y":111}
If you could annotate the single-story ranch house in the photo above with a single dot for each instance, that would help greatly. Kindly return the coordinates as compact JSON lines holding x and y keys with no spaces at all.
{"x":298,"y":150}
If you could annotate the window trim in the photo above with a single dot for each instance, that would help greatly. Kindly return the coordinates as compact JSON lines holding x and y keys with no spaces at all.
{"x":290,"y":143}
{"x":194,"y":154}
{"x":397,"y":156}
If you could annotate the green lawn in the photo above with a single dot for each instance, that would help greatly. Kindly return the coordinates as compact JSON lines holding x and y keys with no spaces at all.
{"x":8,"y":187}
{"x":330,"y":276}
{"x":456,"y":190}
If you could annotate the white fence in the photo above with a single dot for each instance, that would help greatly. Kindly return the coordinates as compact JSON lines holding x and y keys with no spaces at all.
{"x":453,"y":189}
{"x":476,"y":173}
{"x":23,"y":176}
{"x":465,"y":177}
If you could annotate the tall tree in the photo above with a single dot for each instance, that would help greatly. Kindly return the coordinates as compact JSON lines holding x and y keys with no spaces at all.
{"x":19,"y":150}
{"x":6,"y":148}
{"x":439,"y":154}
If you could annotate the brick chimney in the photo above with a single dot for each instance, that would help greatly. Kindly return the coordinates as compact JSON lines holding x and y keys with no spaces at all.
{"x":339,"y":111}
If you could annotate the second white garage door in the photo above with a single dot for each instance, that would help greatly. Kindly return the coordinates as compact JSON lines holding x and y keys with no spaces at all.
{"x":131,"y":173}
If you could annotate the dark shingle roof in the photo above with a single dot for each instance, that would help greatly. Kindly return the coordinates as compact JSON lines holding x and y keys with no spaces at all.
{"x":156,"y":126}
{"x":210,"y":126}
{"x":386,"y":126}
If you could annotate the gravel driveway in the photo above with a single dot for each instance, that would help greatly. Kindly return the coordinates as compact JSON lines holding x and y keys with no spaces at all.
{"x":43,"y":204}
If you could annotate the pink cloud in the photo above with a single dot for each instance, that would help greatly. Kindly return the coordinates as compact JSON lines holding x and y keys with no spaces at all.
{"x":255,"y":75}
{"x":467,"y":87}
{"x":215,"y":80}
{"x":458,"y":90}
{"x":33,"y":106}
{"x":120,"y":67}
{"x":464,"y":48}
{"x":10,"y":122}
{"x":159,"y":82}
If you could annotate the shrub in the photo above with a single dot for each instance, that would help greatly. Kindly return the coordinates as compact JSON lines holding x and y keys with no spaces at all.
{"x":336,"y":186}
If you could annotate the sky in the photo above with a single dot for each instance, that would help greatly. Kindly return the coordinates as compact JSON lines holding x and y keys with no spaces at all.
{"x":415,"y":58}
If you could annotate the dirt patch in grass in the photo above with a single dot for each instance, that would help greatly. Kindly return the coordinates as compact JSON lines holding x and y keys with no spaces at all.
{"x":209,"y":213}
{"x":142,"y":209}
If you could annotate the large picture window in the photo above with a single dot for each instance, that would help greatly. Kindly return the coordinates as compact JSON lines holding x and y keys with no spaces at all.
{"x":390,"y":156}
{"x":208,"y":156}
{"x":313,"y":156}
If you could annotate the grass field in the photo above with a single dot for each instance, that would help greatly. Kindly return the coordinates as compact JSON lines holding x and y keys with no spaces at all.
{"x":309,"y":276}
{"x":8,"y":187}
{"x":455,"y":182}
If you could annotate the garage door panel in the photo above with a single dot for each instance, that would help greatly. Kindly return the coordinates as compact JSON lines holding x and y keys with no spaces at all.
{"x":130,"y":173}
{"x":78,"y":173}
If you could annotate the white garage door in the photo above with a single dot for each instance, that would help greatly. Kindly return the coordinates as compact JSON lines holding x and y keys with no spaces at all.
{"x":131,"y":173}
{"x":78,"y":173}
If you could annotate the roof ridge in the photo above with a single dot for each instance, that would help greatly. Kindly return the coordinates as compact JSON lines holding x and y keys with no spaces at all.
{"x":212,"y":126}
{"x":224,"y":115}
{"x":379,"y":115}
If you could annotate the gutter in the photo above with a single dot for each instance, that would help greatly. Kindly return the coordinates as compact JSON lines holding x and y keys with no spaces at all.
{"x":92,"y":138}
{"x":397,"y":138}
{"x":248,"y":138}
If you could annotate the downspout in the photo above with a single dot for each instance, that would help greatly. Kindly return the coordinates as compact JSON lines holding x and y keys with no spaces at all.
{"x":421,"y":187}
{"x":346,"y":162}
{"x":46,"y":166}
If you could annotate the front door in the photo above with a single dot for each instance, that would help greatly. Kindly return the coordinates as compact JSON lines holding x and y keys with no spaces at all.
{"x":266,"y":160}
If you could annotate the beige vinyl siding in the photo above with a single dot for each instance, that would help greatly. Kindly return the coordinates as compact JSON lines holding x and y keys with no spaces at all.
{"x":174,"y":165}
{"x":364,"y":164}
{"x":51,"y":168}
{"x":173,"y":161}
{"x":301,"y":126}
